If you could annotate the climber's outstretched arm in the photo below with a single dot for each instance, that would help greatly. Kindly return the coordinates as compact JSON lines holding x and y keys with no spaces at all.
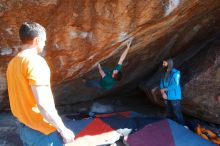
{"x":102,"y":73}
{"x":124,"y":54}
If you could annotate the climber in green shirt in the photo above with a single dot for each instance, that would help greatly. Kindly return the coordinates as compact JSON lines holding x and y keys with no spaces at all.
{"x":110,"y":78}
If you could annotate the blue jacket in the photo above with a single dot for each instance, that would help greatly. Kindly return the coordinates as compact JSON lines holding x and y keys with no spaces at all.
{"x":173,"y":85}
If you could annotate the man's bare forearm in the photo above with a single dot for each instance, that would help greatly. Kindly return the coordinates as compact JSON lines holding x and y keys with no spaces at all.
{"x":52,"y":117}
{"x":46,"y":106}
{"x":45,"y":102}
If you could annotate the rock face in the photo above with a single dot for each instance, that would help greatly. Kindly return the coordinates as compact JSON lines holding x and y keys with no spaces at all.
{"x":202,"y":84}
{"x":82,"y":33}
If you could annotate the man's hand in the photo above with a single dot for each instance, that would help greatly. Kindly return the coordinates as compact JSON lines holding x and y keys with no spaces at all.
{"x":164,"y":95}
{"x":163,"y":90}
{"x":67,"y":135}
{"x":98,"y":65}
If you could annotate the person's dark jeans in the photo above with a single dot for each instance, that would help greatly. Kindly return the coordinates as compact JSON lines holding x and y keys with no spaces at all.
{"x":174,"y":111}
{"x":94,"y":84}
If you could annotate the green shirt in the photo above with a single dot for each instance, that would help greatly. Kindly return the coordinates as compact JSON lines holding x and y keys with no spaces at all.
{"x":108,"y":82}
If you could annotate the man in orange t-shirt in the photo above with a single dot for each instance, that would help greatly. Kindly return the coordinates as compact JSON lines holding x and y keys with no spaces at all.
{"x":30,"y":95}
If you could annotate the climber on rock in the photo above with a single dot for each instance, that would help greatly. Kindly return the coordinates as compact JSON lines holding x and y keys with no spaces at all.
{"x":110,"y":78}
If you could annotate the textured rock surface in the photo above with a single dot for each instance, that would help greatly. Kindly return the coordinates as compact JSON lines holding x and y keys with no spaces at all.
{"x":82,"y":33}
{"x":202,"y":84}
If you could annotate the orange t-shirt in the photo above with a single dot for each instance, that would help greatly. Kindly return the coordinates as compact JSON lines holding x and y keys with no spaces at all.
{"x":23,"y":71}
